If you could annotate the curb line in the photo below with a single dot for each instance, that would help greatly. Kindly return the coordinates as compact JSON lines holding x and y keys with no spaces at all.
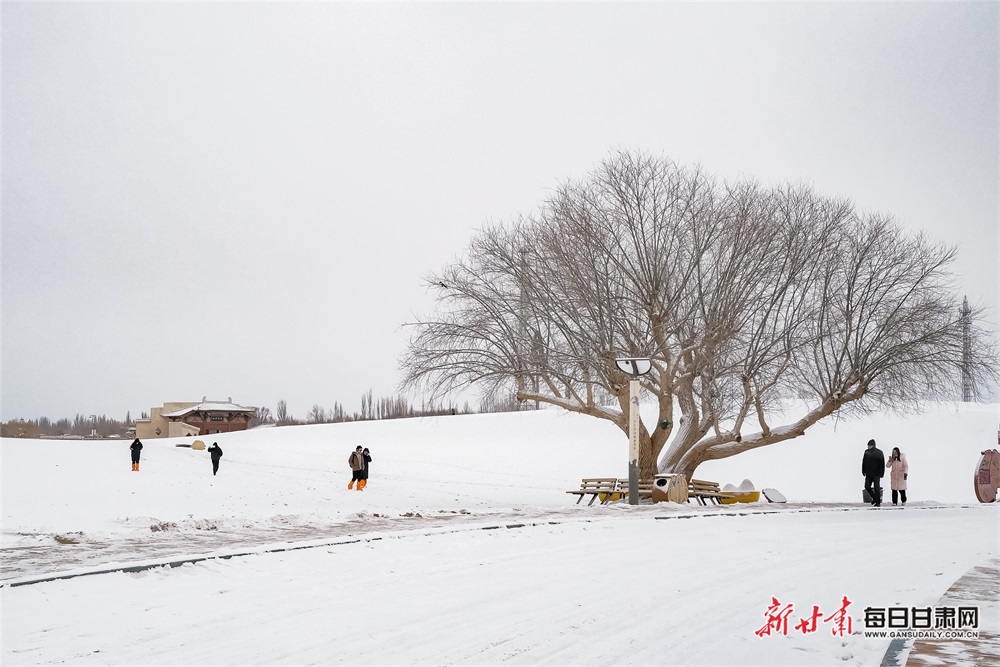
{"x":177,"y":562}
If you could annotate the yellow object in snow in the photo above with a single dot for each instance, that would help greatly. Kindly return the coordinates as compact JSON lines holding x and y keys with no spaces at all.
{"x":744,"y":493}
{"x":197,"y":444}
{"x":730,"y":497}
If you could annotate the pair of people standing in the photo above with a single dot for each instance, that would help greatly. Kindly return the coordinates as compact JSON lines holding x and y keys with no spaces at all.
{"x":359,"y":460}
{"x":873,"y":466}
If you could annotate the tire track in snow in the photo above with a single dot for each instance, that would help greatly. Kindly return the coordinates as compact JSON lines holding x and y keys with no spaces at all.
{"x":506,"y":521}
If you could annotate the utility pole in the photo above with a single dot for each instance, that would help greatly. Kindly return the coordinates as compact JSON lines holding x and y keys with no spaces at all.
{"x":636,"y":368}
{"x":967,"y":388}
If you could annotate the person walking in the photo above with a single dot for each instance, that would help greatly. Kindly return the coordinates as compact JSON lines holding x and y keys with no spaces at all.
{"x":357,"y":462}
{"x":873,"y":468}
{"x":364,"y":471}
{"x":899,"y":470}
{"x":136,"y":448}
{"x":216,"y":453}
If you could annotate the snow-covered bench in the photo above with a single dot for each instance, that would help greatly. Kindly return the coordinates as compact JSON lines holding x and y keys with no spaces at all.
{"x":645,"y":488}
{"x":607,"y":489}
{"x":595,"y":487}
{"x":703,"y":491}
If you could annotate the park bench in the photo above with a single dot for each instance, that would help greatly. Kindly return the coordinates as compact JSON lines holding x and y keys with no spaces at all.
{"x":703,"y":491}
{"x":596,"y":487}
{"x":645,"y":489}
{"x":607,"y":489}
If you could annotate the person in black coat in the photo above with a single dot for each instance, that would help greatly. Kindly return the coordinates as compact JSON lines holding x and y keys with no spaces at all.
{"x":364,"y":471}
{"x":216,"y":453}
{"x":136,"y":448}
{"x":873,"y":468}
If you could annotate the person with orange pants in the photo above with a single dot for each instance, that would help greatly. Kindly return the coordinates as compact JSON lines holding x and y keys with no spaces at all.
{"x":357,"y":462}
{"x":136,"y":448}
{"x":364,"y":471}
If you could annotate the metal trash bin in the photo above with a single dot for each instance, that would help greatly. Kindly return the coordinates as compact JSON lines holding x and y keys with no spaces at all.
{"x":670,"y":488}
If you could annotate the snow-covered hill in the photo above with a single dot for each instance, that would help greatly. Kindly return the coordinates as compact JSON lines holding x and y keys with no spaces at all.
{"x":403,"y":572}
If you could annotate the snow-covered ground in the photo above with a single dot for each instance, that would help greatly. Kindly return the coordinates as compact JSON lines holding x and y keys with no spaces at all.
{"x":464,"y":548}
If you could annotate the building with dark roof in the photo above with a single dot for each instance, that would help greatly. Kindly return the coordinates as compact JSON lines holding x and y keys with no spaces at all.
{"x":179,"y":420}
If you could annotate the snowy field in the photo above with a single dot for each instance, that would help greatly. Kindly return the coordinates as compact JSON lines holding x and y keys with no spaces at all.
{"x":464,"y":548}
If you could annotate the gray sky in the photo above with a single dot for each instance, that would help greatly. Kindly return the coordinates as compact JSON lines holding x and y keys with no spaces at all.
{"x":241,"y":199}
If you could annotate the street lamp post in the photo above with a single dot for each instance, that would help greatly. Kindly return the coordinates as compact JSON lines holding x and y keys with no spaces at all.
{"x":636,"y":368}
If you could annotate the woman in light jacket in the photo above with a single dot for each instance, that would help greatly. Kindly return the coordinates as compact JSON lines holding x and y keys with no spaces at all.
{"x":898,"y":469}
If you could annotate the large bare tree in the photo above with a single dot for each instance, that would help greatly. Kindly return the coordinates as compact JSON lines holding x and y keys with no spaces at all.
{"x":741,"y":295}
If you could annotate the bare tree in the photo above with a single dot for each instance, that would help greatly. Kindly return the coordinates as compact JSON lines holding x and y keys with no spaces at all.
{"x":281,"y":413}
{"x":740,"y":295}
{"x":367,"y":409}
{"x":262,"y":416}
{"x":317,"y":415}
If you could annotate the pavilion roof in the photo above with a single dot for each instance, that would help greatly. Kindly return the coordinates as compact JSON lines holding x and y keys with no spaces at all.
{"x":209,"y":406}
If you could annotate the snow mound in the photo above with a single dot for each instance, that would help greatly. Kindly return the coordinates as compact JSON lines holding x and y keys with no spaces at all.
{"x":745,"y":485}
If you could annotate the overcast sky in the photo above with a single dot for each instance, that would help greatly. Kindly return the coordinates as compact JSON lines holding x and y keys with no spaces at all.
{"x":242,"y":199}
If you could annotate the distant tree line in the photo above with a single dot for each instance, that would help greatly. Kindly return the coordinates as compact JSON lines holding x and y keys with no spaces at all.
{"x":81,"y":426}
{"x":394,"y":407}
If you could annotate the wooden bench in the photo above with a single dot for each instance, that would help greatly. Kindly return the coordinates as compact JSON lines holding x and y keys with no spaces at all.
{"x":703,"y":491}
{"x":594,"y":487}
{"x":645,"y":488}
{"x":608,"y":489}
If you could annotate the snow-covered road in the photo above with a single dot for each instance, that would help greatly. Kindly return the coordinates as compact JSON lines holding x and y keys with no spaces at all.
{"x":614,"y":589}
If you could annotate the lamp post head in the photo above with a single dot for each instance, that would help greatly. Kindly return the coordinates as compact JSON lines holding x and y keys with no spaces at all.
{"x":634,"y":366}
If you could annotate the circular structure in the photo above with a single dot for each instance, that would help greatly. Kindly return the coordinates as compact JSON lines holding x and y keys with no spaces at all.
{"x":987,"y":477}
{"x":634,"y":366}
{"x":670,"y":488}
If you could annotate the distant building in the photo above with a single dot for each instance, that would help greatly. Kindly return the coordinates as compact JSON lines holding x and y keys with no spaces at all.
{"x":180,"y":420}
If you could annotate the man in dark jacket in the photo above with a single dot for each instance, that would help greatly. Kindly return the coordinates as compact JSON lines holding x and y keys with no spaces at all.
{"x":873,"y":468}
{"x":136,"y":448}
{"x":216,"y":453}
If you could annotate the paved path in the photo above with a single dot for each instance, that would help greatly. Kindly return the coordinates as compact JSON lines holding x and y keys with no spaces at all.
{"x":979,"y":587}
